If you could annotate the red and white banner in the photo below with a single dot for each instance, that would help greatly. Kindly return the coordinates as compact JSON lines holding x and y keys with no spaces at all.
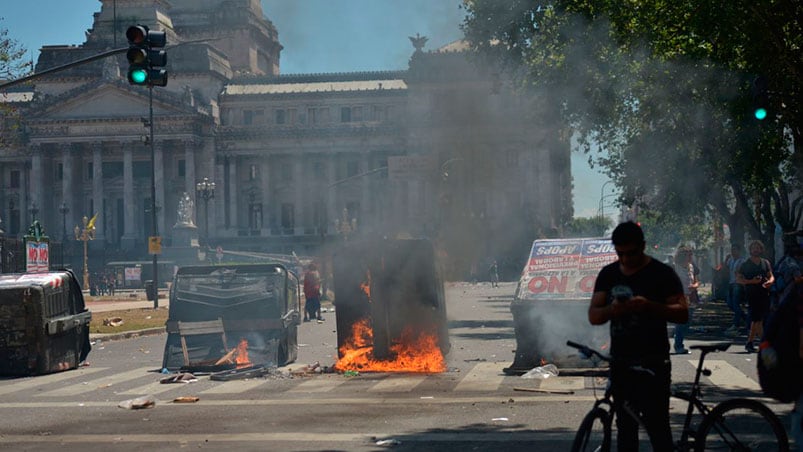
{"x":37,"y":257}
{"x":564,"y":268}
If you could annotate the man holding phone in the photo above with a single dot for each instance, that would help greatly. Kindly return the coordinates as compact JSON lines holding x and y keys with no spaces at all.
{"x":639,"y":295}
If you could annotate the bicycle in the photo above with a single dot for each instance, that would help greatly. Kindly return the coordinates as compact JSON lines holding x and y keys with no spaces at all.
{"x":734,"y":424}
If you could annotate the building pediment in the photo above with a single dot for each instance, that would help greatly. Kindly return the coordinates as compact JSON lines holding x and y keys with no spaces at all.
{"x":107,"y":100}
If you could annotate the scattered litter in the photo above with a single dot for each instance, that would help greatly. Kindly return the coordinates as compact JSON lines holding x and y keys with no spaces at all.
{"x":499,"y":419}
{"x":144,"y":351}
{"x":186,"y":399}
{"x":351,"y":373}
{"x":542,"y":372}
{"x":388,"y":442}
{"x":474,"y":360}
{"x":314,"y":368}
{"x":148,"y":317}
{"x":165,"y":371}
{"x":427,"y":397}
{"x":139,"y":403}
{"x":185,"y":377}
{"x":113,"y":321}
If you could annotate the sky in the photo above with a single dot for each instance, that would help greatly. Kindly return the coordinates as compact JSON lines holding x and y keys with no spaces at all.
{"x":318,"y":36}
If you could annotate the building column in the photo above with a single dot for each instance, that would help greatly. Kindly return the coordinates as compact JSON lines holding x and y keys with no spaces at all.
{"x":331,"y":193}
{"x":128,"y":240}
{"x":267,"y":205}
{"x":35,"y":186}
{"x":67,"y":185}
{"x":234,"y":219}
{"x":159,"y":176}
{"x":97,"y":191}
{"x":190,"y":147}
{"x":298,"y":199}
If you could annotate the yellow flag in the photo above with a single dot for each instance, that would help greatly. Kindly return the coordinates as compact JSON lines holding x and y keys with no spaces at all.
{"x":91,"y":224}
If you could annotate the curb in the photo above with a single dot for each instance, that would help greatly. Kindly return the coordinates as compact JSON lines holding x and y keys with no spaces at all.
{"x":126,"y":334}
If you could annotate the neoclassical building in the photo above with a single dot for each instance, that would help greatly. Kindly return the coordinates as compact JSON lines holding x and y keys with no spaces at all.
{"x":443,"y":148}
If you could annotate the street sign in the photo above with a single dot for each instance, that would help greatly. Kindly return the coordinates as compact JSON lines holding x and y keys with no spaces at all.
{"x":154,"y":245}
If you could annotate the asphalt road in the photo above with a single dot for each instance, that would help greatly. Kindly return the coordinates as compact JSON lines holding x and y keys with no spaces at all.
{"x":471,"y":406}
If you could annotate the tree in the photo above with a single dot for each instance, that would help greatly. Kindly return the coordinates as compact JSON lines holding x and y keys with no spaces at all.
{"x":596,"y":226}
{"x":663,"y":89}
{"x":12,"y":66}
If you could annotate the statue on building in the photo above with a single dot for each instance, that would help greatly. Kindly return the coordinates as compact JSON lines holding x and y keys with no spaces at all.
{"x":185,"y":205}
{"x":418,"y":42}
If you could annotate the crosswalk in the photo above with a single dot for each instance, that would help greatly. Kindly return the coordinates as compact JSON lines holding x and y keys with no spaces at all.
{"x":484,"y":378}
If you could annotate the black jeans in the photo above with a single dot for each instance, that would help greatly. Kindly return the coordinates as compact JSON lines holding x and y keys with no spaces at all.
{"x":647,"y":395}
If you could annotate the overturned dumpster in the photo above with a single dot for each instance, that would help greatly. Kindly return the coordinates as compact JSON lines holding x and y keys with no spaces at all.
{"x":391,"y":312}
{"x":232,"y":316}
{"x":552,"y":299}
{"x":44,"y":325}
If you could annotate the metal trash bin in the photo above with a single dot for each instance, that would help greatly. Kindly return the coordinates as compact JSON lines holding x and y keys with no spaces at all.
{"x":44,"y":325}
{"x":149,"y":292}
{"x":394,"y":282}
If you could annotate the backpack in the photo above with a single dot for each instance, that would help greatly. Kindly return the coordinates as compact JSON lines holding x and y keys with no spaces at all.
{"x":780,"y":283}
{"x":780,"y":370}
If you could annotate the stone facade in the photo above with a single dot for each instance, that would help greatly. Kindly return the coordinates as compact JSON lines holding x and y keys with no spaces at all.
{"x":442,"y":149}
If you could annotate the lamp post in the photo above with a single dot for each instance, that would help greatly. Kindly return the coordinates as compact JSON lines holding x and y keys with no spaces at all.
{"x":602,"y":198}
{"x":63,"y":210}
{"x":34,"y":210}
{"x":344,"y":226}
{"x":85,"y":234}
{"x":206,"y":191}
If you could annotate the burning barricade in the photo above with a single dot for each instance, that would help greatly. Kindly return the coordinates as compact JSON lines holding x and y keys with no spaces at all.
{"x":391,"y":313}
{"x":551,"y":302}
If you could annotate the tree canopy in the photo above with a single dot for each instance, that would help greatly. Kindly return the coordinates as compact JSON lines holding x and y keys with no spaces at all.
{"x":660,"y":94}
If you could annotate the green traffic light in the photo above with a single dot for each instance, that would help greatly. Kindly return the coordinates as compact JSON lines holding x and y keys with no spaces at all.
{"x":760,"y":113}
{"x":139,"y":76}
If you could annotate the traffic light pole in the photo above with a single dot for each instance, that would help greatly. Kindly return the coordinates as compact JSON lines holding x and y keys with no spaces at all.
{"x":154,"y":223}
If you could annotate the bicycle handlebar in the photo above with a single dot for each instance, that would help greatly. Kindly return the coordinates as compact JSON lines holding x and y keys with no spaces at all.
{"x":587,"y":351}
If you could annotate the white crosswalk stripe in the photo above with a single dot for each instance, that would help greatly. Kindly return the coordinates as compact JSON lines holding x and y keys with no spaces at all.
{"x":98,"y":383}
{"x":33,"y":382}
{"x":726,"y":376}
{"x":398,"y":383}
{"x":318,"y":384}
{"x":235,"y":386}
{"x":482,"y":377}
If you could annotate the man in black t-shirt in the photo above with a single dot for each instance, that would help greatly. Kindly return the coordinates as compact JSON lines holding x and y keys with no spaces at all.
{"x":639,"y":295}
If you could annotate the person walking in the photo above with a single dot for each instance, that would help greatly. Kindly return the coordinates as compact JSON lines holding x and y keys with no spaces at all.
{"x":735,"y":295}
{"x":493,"y":272}
{"x":312,"y":293}
{"x":755,"y":274}
{"x":638,"y":295}
{"x":684,"y":267}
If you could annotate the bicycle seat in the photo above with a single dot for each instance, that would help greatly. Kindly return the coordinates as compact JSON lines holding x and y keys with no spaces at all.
{"x":712,"y":347}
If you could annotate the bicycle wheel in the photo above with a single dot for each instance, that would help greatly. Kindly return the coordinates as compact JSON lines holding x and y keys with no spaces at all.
{"x":744,"y":425}
{"x":594,"y":433}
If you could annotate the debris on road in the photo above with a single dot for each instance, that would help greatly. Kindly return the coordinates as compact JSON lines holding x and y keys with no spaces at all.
{"x":139,"y":403}
{"x":542,"y":372}
{"x":388,"y":442}
{"x":113,"y":321}
{"x":186,"y":399}
{"x":546,"y":391}
{"x":184,"y":377}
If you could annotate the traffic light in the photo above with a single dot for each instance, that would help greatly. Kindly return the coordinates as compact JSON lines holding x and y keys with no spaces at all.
{"x":761,"y":98}
{"x":146,"y":65}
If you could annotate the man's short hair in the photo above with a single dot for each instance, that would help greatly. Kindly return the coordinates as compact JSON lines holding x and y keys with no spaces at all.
{"x":627,"y":233}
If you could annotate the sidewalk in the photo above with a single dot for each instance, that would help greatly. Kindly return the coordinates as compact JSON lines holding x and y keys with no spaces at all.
{"x":127,"y":300}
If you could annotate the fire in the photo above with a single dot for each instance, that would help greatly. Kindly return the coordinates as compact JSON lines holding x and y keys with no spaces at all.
{"x":412,"y":353}
{"x":241,"y":357}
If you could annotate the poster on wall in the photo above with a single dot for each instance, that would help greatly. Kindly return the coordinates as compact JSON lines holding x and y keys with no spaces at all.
{"x":133,"y":273}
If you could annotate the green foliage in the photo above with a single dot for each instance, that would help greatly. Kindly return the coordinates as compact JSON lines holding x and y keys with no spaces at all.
{"x":12,"y":54}
{"x":660,"y":95}
{"x":596,"y":226}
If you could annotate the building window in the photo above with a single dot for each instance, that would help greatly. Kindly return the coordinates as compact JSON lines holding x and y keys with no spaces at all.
{"x":345,"y":114}
{"x":356,"y":114}
{"x":287,"y":172}
{"x":352,"y":167}
{"x":253,"y":172}
{"x":318,"y":171}
{"x":90,"y":170}
{"x":376,"y":113}
{"x":15,"y":179}
{"x":281,"y":117}
{"x":288,"y":218}
{"x":59,"y":171}
{"x":251,"y":117}
{"x":319,"y":216}
{"x":182,"y":168}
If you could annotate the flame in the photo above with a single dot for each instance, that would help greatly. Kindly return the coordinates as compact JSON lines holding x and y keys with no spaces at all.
{"x":365,"y":286}
{"x":241,"y":357}
{"x":412,"y":353}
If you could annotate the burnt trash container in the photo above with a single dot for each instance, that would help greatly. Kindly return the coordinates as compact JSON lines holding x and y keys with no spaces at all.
{"x":397,"y":284}
{"x":149,"y":292}
{"x":44,"y":324}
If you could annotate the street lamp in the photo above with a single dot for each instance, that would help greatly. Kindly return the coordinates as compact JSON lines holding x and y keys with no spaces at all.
{"x":34,"y":210}
{"x":63,"y":210}
{"x":602,"y":198}
{"x":206,"y":191}
{"x":345,"y":227}
{"x":86,"y":234}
